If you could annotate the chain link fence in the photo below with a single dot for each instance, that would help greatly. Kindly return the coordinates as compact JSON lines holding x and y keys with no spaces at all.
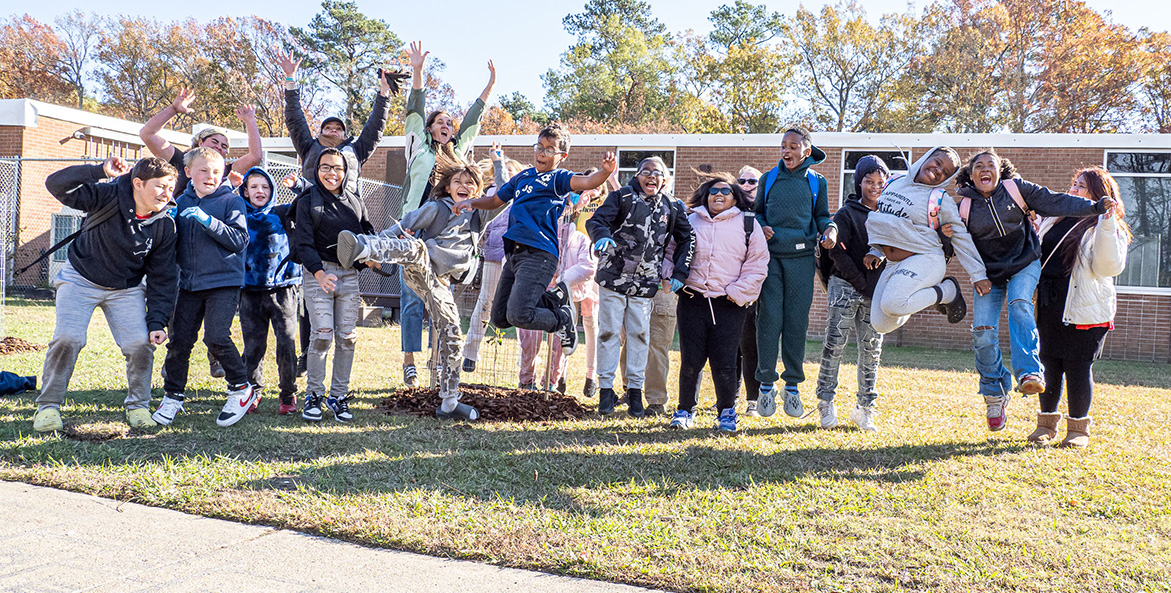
{"x":9,"y":197}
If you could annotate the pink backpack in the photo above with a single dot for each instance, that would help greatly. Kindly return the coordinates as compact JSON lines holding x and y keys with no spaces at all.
{"x":1014,"y":191}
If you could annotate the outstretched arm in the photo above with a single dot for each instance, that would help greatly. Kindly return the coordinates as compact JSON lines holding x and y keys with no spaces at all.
{"x":151,"y":130}
{"x":247,"y":114}
{"x":299,"y":132}
{"x":418,"y":57}
{"x":580,"y":183}
{"x":491,"y":82}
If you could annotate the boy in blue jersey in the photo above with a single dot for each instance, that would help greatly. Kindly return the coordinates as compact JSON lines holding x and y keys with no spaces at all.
{"x":539,"y":195}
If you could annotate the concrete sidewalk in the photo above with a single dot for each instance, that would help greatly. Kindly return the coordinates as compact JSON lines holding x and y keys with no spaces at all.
{"x":53,"y":540}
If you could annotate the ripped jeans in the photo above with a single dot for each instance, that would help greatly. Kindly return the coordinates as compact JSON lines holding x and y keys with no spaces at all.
{"x":1022,"y":331}
{"x":333,"y":317}
{"x":848,"y":309}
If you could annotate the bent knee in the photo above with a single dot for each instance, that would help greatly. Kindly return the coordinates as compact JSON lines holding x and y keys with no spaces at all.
{"x":985,"y":336}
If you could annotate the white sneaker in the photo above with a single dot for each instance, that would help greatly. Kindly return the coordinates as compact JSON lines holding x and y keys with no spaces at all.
{"x":239,"y":400}
{"x":167,"y":410}
{"x":793,"y":405}
{"x":766,"y":401}
{"x":829,"y":414}
{"x":863,"y":416}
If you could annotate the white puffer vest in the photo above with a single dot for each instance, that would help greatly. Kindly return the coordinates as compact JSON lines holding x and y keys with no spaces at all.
{"x":1101,"y":256}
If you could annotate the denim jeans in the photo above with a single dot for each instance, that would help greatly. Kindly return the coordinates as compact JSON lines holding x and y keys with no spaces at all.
{"x":848,"y":307}
{"x":1022,"y":331}
{"x":411,"y":310}
{"x":334,"y":317}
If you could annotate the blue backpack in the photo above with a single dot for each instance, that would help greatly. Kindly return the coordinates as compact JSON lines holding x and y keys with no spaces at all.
{"x":821,"y":259}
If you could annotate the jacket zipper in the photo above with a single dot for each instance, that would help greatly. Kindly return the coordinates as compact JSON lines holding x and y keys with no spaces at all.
{"x":996,"y":218}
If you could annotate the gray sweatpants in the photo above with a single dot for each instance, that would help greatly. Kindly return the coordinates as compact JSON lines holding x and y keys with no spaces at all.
{"x":333,"y":317}
{"x":617,"y":312}
{"x":125,"y":311}
{"x":905,"y":288}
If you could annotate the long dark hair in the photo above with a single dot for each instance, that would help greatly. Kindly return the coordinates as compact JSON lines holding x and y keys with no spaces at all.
{"x":1101,"y":185}
{"x":699,"y":198}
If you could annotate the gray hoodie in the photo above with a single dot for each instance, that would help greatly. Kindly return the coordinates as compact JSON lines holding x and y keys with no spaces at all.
{"x":451,"y":244}
{"x":901,"y":220}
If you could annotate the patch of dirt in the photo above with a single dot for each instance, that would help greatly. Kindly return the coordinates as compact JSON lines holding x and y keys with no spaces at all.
{"x":11,"y":345}
{"x":96,"y":432}
{"x":495,"y":404}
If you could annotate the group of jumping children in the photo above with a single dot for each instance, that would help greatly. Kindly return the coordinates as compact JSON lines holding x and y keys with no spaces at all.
{"x":182,"y":240}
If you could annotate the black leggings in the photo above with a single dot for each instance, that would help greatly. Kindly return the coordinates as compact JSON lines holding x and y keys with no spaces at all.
{"x":1079,"y":384}
{"x":704,"y":340}
{"x":746,"y":357}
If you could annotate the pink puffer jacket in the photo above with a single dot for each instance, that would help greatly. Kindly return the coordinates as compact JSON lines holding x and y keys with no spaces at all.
{"x":722,"y":264}
{"x":577,"y":265}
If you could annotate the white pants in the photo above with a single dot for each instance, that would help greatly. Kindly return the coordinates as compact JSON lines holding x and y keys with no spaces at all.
{"x":906,"y":287}
{"x":617,"y":311}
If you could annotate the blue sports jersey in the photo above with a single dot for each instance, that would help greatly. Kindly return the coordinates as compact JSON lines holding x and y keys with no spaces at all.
{"x":538,"y":199}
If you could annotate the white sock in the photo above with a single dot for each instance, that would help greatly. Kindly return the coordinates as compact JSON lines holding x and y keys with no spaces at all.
{"x":949,"y":291}
{"x":449,"y":404}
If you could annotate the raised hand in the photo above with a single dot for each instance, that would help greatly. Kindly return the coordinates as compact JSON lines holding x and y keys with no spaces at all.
{"x":286,"y":62}
{"x":182,"y":102}
{"x":417,"y":56}
{"x":115,"y":166}
{"x":609,"y":163}
{"x":289,"y":180}
{"x":1110,"y":204}
{"x":246,"y":113}
{"x":235,"y":179}
{"x":495,"y":153}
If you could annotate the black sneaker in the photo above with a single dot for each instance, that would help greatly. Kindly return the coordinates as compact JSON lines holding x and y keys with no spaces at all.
{"x":958,"y":308}
{"x":562,"y":293}
{"x":469,"y":365}
{"x":302,"y":364}
{"x":590,"y":389}
{"x":568,"y":333}
{"x":312,"y":409}
{"x":561,"y":386}
{"x":607,"y":399}
{"x":634,"y":403}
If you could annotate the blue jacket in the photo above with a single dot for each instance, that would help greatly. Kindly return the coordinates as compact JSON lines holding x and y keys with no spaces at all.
{"x":268,"y":244}
{"x":212,"y":257}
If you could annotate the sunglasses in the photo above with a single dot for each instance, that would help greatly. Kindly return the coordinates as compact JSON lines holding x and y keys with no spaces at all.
{"x":746,"y":181}
{"x":719,"y":190}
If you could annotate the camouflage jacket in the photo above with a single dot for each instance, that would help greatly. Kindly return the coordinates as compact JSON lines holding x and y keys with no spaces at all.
{"x":632,"y":267}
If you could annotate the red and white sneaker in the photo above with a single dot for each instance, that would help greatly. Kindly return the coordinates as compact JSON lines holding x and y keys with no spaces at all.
{"x":288,"y":406}
{"x":239,"y":400}
{"x":997,"y":416}
{"x":256,"y":401}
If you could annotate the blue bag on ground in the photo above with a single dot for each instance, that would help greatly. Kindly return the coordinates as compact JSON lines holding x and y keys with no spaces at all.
{"x":12,"y":383}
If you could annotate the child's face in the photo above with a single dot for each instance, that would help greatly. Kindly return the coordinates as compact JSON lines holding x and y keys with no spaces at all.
{"x":651,"y":178}
{"x":463,"y":187}
{"x":749,"y":182}
{"x":548,"y":154}
{"x":719,"y":198}
{"x":205,"y":175}
{"x":872,"y":185}
{"x":332,"y":134}
{"x":153,"y":195}
{"x":793,"y":150}
{"x":937,"y":169}
{"x":257,"y":190}
{"x":331,"y":172}
{"x":986,"y":173}
{"x":442,"y":129}
{"x":218,"y":143}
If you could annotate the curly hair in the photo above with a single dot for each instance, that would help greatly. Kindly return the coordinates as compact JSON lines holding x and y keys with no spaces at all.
{"x":1007,"y":169}
{"x":699,"y":198}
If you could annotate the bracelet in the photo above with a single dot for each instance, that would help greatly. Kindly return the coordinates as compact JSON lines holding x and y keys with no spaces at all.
{"x":289,"y":79}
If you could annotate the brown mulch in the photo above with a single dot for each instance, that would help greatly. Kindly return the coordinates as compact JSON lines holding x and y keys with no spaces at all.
{"x":494,"y":404}
{"x":11,"y":345}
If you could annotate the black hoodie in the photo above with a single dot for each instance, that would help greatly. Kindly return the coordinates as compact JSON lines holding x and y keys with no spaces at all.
{"x":316,"y":241}
{"x":117,"y":253}
{"x":853,"y":245}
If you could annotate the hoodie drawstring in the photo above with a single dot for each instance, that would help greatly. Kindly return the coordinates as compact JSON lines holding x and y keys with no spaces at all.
{"x":711,"y":309}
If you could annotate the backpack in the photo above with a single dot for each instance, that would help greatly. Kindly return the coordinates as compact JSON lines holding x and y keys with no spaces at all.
{"x":90,"y":221}
{"x":627,"y":202}
{"x":1013,"y":191}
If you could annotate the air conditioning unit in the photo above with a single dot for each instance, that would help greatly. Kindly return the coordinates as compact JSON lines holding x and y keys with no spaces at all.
{"x":62,"y":224}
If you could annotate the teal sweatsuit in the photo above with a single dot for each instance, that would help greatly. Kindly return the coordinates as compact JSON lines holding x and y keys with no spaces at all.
{"x":787,"y":295}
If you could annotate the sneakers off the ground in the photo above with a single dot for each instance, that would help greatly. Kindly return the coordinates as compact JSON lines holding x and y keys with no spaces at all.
{"x":568,"y":333}
{"x":312,"y":409}
{"x":140,"y":418}
{"x":634,"y":402}
{"x":766,"y":401}
{"x":957,"y":308}
{"x":1031,"y":383}
{"x":167,"y":410}
{"x":997,"y":416}
{"x":469,"y":365}
{"x":726,"y":421}
{"x":590,"y":389}
{"x":47,"y":420}
{"x":793,"y":405}
{"x":562,"y":293}
{"x":461,"y":412}
{"x":410,"y":375}
{"x":340,"y":407}
{"x":288,"y":405}
{"x":829,"y":414}
{"x":682,"y":419}
{"x":350,"y":249}
{"x":750,"y":410}
{"x":863,"y":417}
{"x":607,"y":399}
{"x":216,"y":369}
{"x":654,"y":410}
{"x":239,"y":400}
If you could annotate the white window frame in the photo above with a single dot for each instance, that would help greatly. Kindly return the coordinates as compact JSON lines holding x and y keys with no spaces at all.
{"x":843,"y":190}
{"x":671,"y":149}
{"x":1138,"y":290}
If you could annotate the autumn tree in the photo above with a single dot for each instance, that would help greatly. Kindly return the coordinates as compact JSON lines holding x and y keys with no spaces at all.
{"x":79,"y":35}
{"x":30,"y":58}
{"x":1155,"y":89}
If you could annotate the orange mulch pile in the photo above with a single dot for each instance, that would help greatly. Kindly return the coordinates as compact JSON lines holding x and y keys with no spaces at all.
{"x":11,"y":345}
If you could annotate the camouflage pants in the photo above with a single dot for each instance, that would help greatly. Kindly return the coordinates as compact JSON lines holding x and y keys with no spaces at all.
{"x":411,"y":256}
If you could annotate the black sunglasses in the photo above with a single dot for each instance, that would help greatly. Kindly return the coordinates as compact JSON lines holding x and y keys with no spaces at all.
{"x":746,"y":181}
{"x":719,"y":190}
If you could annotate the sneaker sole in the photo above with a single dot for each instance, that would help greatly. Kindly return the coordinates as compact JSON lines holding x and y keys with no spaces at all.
{"x":347,"y":244}
{"x":568,"y":350}
{"x":795,"y":410}
{"x":316,"y":418}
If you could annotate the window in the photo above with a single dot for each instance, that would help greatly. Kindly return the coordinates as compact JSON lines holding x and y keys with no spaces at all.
{"x":1144,"y":179}
{"x":895,"y":161}
{"x":628,"y":161}
{"x":64,"y":224}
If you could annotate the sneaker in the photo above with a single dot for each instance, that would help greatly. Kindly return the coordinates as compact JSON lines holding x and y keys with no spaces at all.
{"x":350,"y":249}
{"x":410,"y":375}
{"x":726,"y":421}
{"x":561,"y":387}
{"x":239,"y":400}
{"x":312,"y":409}
{"x":302,"y":364}
{"x":997,"y":416}
{"x":793,"y":405}
{"x":562,"y":293}
{"x":682,"y":419}
{"x":1031,"y":383}
{"x":259,"y":391}
{"x":957,"y":309}
{"x":766,"y":401}
{"x":568,"y":334}
{"x":340,"y":407}
{"x":288,"y":405}
{"x":168,"y":409}
{"x":469,"y":365}
{"x":750,"y":410}
{"x":654,"y":410}
{"x":216,"y":369}
{"x":140,"y":418}
{"x":47,"y":420}
{"x":461,"y":412}
{"x":607,"y":399}
{"x":634,"y":405}
{"x":590,"y":389}
{"x":863,"y":417}
{"x":829,"y":414}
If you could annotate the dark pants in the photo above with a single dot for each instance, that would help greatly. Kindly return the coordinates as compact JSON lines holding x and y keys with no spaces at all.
{"x":1079,"y":385}
{"x":746,"y":357}
{"x":521,"y":297}
{"x":782,"y":318}
{"x":303,"y":326}
{"x":214,"y":309}
{"x":276,"y":307}
{"x":704,"y":341}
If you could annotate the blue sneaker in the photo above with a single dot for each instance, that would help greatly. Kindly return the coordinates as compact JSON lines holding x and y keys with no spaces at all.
{"x":340,"y":407}
{"x":312,"y":409}
{"x":766,"y":401}
{"x":726,"y":422}
{"x":682,"y":419}
{"x":793,"y":405}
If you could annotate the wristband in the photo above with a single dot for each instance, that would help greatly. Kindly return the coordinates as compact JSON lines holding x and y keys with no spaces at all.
{"x":289,"y":79}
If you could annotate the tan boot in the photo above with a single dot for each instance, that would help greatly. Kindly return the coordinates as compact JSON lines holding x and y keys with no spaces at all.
{"x":1077,"y":432}
{"x":1046,"y":427}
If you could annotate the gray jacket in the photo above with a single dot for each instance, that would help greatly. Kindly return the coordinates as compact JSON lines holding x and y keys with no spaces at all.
{"x":355,"y":150}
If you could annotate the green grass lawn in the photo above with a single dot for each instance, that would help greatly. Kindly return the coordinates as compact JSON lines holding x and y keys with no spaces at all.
{"x":932,"y":502}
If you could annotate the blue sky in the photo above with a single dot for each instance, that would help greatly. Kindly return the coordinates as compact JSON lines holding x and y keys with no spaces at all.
{"x":524,"y":43}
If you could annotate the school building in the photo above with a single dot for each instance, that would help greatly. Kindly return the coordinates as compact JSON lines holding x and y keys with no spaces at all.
{"x":1141,"y":163}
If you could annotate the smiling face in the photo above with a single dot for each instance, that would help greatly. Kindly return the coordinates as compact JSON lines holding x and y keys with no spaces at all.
{"x":986,"y":173}
{"x":152,"y":195}
{"x":206,"y":175}
{"x":1081,"y":188}
{"x":652,"y":178}
{"x":872,"y":186}
{"x":332,"y":134}
{"x":794,"y":150}
{"x":257,"y":190}
{"x":463,"y":187}
{"x":331,"y":172}
{"x":749,"y":182}
{"x":939,"y":166}
{"x":218,"y":143}
{"x":442,"y":128}
{"x":719,"y":198}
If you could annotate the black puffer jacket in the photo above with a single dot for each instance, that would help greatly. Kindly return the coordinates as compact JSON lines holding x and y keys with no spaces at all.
{"x":1002,"y":232}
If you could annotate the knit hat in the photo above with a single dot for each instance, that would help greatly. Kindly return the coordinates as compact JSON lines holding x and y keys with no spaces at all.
{"x":867,"y":165}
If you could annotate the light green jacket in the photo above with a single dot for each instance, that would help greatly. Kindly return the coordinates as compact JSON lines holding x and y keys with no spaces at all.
{"x":421,"y":156}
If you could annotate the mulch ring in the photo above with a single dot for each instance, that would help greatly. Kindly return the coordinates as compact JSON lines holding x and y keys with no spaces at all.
{"x":11,"y":345}
{"x":495,"y":404}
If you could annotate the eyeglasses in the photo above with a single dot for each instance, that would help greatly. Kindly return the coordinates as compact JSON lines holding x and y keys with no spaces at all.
{"x":547,"y":152}
{"x":747,"y":181}
{"x":328,"y":168}
{"x":649,"y":173}
{"x":719,"y":190}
